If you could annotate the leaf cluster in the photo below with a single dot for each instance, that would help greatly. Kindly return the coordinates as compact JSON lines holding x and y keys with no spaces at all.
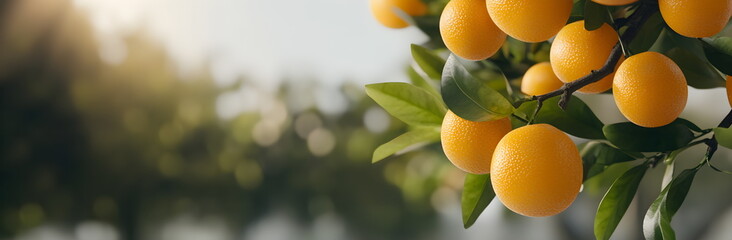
{"x":487,"y":90}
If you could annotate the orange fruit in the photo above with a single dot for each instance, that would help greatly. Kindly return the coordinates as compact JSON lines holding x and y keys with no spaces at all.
{"x":530,"y":20}
{"x":536,"y":170}
{"x":540,"y":79}
{"x":383,"y":11}
{"x":729,"y":90}
{"x":469,"y":145}
{"x":468,"y":30}
{"x":575,"y":52}
{"x":650,"y":89}
{"x":614,"y":2}
{"x":695,"y":18}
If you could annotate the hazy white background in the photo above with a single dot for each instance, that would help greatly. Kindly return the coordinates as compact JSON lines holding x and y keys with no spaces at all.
{"x":331,"y":41}
{"x":266,"y":40}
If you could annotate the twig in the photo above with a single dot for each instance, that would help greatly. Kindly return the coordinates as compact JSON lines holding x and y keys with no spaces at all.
{"x":712,"y":143}
{"x":634,"y":23}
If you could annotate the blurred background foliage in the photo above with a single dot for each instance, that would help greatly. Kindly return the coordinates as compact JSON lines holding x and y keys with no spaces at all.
{"x":134,"y":142}
{"x":122,"y":145}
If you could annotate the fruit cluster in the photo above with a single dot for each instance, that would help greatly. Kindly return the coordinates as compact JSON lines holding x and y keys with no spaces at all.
{"x":536,"y":170}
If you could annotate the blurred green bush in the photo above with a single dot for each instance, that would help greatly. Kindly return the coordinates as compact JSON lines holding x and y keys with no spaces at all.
{"x":137,"y":141}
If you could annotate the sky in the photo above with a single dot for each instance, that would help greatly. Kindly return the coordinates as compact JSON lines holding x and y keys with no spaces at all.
{"x":266,"y":41}
{"x":330,"y":41}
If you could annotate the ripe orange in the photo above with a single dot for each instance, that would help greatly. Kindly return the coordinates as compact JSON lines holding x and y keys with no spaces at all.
{"x":536,"y":170}
{"x":650,"y":89}
{"x":614,"y":2}
{"x":729,"y":90}
{"x":530,"y":20}
{"x":468,"y":30}
{"x":469,"y":145}
{"x":540,"y":79}
{"x":695,"y":18}
{"x":575,"y":52}
{"x":383,"y":11}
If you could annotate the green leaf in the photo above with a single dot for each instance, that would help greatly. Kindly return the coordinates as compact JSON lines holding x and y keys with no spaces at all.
{"x":469,"y":97}
{"x":411,"y":138}
{"x":664,"y":43}
{"x":631,"y":137}
{"x":492,"y":75}
{"x":670,"y":39}
{"x":477,"y":194}
{"x":430,"y":63}
{"x":578,"y":10}
{"x":514,"y":50}
{"x":723,"y":136}
{"x":597,"y":156}
{"x":430,"y":26}
{"x":539,"y":52}
{"x":577,"y":120}
{"x":418,"y":80}
{"x":692,"y":45}
{"x":648,"y":34}
{"x":408,"y":103}
{"x":719,"y":53}
{"x":595,"y":15}
{"x":689,"y":124}
{"x":657,"y":222}
{"x":698,"y":72}
{"x":668,"y":173}
{"x":616,"y":201}
{"x":688,"y":54}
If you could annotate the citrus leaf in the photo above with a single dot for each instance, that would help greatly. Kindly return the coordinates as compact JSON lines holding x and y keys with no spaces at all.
{"x":430,"y":63}
{"x":411,"y":138}
{"x":408,"y":103}
{"x":688,"y":54}
{"x":631,"y":137}
{"x":418,"y":80}
{"x":597,"y":156}
{"x":698,"y":72}
{"x":664,"y":43}
{"x":648,"y":34}
{"x":578,"y":10}
{"x":723,"y":136}
{"x":657,"y":222}
{"x":469,"y":97}
{"x":492,"y":75}
{"x":430,"y":26}
{"x":689,"y":124}
{"x":477,"y":194}
{"x":692,"y":45}
{"x":719,"y":53}
{"x":669,"y":40}
{"x":616,"y":201}
{"x":577,"y":120}
{"x":514,"y":50}
{"x":595,"y":15}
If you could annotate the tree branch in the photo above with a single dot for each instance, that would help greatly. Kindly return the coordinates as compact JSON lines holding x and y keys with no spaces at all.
{"x":712,"y":143}
{"x":634,"y":23}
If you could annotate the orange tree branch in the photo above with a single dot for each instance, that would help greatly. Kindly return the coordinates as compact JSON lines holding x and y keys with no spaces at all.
{"x":634,"y":23}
